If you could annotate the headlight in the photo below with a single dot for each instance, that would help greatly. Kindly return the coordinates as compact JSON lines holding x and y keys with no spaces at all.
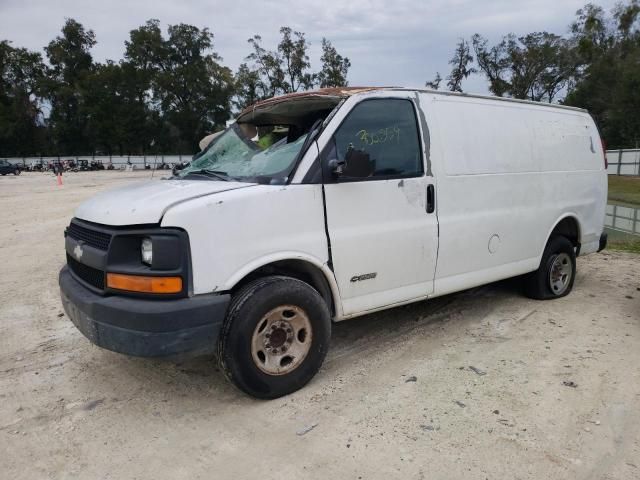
{"x":146,"y":248}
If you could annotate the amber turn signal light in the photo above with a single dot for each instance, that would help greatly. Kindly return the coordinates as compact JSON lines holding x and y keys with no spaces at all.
{"x":142,"y":284}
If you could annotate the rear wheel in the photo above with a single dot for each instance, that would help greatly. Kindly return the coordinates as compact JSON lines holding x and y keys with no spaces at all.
{"x":275,"y":336}
{"x":556,"y":274}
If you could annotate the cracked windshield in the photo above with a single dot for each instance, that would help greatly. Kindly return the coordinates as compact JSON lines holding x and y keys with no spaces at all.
{"x":249,"y":153}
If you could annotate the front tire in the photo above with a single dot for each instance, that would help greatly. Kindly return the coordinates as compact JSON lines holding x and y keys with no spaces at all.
{"x":275,"y":337}
{"x":556,"y":274}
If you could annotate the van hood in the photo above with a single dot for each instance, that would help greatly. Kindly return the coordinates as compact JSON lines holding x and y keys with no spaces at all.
{"x":147,"y":202}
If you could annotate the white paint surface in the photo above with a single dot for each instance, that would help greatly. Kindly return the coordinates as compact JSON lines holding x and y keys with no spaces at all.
{"x":510,"y":169}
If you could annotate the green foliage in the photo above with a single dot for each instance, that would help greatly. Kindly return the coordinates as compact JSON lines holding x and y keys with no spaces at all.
{"x":624,"y":189}
{"x":21,"y":72}
{"x":293,"y":51}
{"x":435,"y":83}
{"x":248,"y":87}
{"x":170,"y":90}
{"x":120,"y":122}
{"x":287,"y":69}
{"x":608,"y":84}
{"x":189,"y":87}
{"x":334,"y":67}
{"x":627,"y":244}
{"x":70,"y":63}
{"x":460,"y":63}
{"x":596,"y":66}
{"x":536,"y":66}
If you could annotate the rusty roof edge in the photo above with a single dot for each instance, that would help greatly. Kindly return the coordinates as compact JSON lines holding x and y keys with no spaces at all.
{"x":337,"y":92}
{"x":343,"y":92}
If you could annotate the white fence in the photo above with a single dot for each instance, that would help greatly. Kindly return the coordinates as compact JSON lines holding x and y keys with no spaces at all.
{"x":138,"y":161}
{"x":623,"y":162}
{"x":623,"y":219}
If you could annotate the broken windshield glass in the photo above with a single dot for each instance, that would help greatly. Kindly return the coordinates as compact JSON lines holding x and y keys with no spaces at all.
{"x":247,"y":152}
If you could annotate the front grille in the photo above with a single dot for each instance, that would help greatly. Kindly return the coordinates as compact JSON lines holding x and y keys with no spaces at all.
{"x":92,"y":276}
{"x":99,"y":240}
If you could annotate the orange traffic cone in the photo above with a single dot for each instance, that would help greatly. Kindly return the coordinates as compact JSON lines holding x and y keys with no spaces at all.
{"x":59,"y":179}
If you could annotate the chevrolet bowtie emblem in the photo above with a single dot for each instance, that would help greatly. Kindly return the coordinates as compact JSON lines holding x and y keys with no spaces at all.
{"x":78,"y":252}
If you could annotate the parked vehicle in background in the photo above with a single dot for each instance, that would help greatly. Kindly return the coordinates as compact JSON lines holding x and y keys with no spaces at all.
{"x":322,"y":206}
{"x":7,"y":168}
{"x":96,"y":165}
{"x":38,"y":166}
{"x":83,"y":166}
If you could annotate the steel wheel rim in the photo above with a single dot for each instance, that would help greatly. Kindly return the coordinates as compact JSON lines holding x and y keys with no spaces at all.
{"x":560,"y":273}
{"x":281,"y":340}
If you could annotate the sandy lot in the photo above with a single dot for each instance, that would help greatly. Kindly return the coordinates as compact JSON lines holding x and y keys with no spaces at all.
{"x":396,"y":397}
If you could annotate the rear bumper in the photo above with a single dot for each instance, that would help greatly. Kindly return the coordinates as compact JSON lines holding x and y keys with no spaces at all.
{"x":142,"y":327}
{"x":603,"y":242}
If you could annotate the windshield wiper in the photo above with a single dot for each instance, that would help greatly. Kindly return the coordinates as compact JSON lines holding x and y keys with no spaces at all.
{"x":210,"y":173}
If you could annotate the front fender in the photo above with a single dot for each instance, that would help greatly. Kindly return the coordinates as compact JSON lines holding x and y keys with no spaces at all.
{"x":234,"y":232}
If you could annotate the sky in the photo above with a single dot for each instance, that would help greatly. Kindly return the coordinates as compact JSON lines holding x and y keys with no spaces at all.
{"x":390,"y":43}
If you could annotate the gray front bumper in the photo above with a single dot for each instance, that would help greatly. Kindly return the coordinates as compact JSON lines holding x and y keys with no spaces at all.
{"x":144,"y":327}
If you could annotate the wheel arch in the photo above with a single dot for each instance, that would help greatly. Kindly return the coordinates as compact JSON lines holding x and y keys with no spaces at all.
{"x":568,"y":226}
{"x":307,"y":269}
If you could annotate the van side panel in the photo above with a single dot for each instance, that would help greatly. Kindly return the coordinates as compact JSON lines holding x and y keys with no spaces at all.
{"x":506,"y":173}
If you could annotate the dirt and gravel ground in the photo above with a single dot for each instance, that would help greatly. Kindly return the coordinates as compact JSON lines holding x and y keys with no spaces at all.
{"x":396,"y":398}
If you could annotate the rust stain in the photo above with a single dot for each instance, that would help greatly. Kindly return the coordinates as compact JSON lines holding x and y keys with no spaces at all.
{"x":339,"y":92}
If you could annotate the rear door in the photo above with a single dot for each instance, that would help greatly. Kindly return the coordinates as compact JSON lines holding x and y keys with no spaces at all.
{"x":380,"y":212}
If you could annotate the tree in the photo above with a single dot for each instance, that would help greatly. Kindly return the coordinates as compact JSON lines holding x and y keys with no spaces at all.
{"x":70,"y":63}
{"x":21,"y":129}
{"x":461,"y":69}
{"x":190,"y":88}
{"x":268,"y":66}
{"x":435,"y":83}
{"x":247,"y":87}
{"x":293,"y":51}
{"x":591,"y":32}
{"x":335,"y":67}
{"x":493,"y":62}
{"x":287,"y":69}
{"x":535,"y":67}
{"x":120,"y":120}
{"x":608,"y":82}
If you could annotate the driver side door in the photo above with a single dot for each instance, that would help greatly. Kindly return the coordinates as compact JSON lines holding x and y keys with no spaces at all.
{"x":380,"y":206}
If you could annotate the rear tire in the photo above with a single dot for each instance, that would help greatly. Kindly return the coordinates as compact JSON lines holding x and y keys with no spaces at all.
{"x":556,"y":274}
{"x":275,"y":337}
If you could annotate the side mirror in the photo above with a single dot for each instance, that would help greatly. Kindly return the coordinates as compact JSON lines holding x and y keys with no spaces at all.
{"x":336,"y":167}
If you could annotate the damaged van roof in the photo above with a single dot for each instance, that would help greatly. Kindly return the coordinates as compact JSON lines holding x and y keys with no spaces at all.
{"x":284,"y":106}
{"x":317,"y":99}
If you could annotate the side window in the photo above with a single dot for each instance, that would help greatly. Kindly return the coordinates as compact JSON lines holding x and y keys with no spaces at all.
{"x":379,"y":138}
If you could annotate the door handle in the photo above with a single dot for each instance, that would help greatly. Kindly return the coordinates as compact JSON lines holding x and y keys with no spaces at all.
{"x":431,"y":198}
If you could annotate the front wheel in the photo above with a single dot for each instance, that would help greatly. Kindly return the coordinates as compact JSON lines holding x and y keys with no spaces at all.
{"x":275,"y":337}
{"x":556,"y":274}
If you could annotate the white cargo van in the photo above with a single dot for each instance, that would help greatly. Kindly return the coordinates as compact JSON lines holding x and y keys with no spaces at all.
{"x":322,"y":206}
